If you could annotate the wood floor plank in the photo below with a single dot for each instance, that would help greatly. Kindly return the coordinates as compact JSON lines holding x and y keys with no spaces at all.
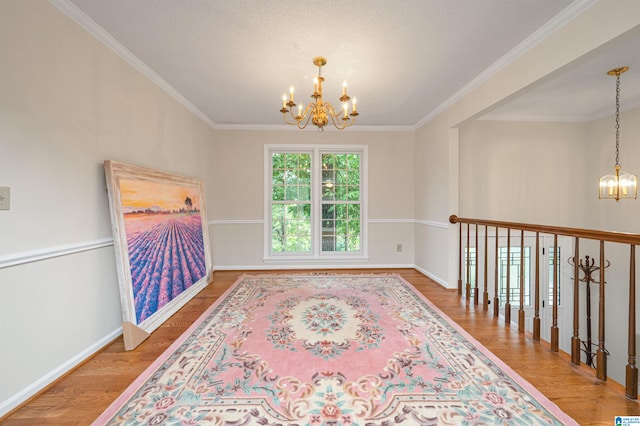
{"x":80,"y":396}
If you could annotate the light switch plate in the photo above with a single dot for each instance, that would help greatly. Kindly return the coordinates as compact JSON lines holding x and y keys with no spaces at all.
{"x":4,"y":197}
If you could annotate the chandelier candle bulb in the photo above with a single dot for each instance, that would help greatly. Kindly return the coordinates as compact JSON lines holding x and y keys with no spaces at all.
{"x":344,"y":88}
{"x":299,"y":111}
{"x":291,"y":93}
{"x":354,"y":105}
{"x":284,"y":101}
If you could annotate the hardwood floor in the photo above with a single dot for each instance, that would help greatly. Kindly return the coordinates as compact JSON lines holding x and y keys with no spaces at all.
{"x":79,"y":397}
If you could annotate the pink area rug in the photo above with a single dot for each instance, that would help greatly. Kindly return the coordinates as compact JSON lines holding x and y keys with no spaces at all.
{"x":328,"y":350}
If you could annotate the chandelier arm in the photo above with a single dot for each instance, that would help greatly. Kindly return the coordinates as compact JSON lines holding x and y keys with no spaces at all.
{"x":333,"y":113}
{"x":339,"y":122}
{"x":336,"y":120}
{"x":305,"y":118}
{"x":293,"y":117}
{"x":306,"y":113}
{"x":294,"y":120}
{"x":286,"y":119}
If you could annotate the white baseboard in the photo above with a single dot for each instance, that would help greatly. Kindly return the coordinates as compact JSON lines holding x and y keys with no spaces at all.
{"x":437,"y":279}
{"x":37,"y":386}
{"x":319,"y":266}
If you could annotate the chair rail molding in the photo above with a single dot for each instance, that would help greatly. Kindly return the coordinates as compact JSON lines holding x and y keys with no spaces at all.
{"x":52,"y":252}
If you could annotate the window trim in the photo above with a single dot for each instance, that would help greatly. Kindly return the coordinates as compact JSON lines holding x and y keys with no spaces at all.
{"x":316,"y":152}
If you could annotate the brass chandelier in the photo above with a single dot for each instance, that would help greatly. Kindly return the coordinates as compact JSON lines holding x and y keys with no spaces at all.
{"x":619,"y":185}
{"x":318,"y":111}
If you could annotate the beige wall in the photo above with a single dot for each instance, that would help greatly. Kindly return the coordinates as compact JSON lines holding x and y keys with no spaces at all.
{"x":235,"y":194}
{"x":67,"y":103}
{"x":533,"y":172}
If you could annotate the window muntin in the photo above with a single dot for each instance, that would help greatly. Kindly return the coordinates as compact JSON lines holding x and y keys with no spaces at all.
{"x":550,"y":299}
{"x":470,"y":258}
{"x":513,"y":257}
{"x":514,"y":270}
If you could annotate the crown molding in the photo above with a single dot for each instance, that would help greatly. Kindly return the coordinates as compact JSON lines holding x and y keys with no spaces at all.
{"x":287,"y":127}
{"x":561,"y":19}
{"x":85,"y":22}
{"x":555,"y":118}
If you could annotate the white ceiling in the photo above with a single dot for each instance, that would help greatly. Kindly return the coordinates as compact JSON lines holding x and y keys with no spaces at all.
{"x":230,"y":61}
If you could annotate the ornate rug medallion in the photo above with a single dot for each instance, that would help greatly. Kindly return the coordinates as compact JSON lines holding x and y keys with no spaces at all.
{"x":328,"y":350}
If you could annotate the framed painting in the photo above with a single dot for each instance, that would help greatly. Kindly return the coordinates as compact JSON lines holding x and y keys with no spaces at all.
{"x":161,"y":242}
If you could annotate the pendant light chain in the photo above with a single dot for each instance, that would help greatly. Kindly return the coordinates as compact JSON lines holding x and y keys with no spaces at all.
{"x":618,"y":119}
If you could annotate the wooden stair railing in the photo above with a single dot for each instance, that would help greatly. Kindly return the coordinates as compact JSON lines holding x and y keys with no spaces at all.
{"x":471,"y":290}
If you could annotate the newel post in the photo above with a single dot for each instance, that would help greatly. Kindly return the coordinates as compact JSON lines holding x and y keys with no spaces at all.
{"x":601,"y":354}
{"x":521,"y":296}
{"x":555,"y":332}
{"x":507,"y":305}
{"x":632,"y":370}
{"x":536,"y":303}
{"x":485,"y":293}
{"x":475,"y":287}
{"x":468,"y":266}
{"x":496,"y":300}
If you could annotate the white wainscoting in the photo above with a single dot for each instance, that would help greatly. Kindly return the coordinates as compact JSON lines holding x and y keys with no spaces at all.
{"x":433,"y":223}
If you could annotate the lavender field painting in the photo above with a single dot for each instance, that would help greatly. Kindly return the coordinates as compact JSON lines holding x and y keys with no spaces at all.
{"x":164,"y":242}
{"x":161,"y":242}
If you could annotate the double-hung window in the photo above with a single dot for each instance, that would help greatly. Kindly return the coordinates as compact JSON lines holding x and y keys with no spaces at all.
{"x":315,"y":201}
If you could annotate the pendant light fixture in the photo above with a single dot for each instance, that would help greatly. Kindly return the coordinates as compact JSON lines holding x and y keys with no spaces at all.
{"x":619,"y":185}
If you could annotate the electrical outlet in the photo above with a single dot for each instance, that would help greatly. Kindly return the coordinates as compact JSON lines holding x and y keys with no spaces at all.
{"x":399,"y":248}
{"x":4,"y":197}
